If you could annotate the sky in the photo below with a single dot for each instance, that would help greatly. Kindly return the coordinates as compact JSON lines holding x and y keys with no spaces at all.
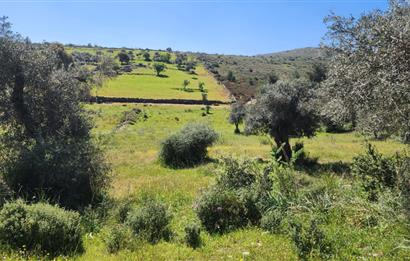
{"x":242,"y":27}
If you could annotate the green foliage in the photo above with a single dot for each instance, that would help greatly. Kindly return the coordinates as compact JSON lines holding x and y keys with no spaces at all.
{"x":124,"y":58}
{"x":283,"y":110}
{"x":311,"y":242}
{"x":146,"y":56}
{"x":193,"y":235}
{"x":93,"y":217}
{"x":231,"y":77}
{"x":163,"y":57}
{"x":122,"y":209}
{"x":132,"y":116}
{"x":40,"y":227}
{"x":118,"y":237}
{"x":150,"y":221}
{"x":272,"y":220}
{"x":404,"y":180}
{"x":237,"y":115}
{"x":237,"y":173}
{"x":375,"y":170}
{"x":261,"y":69}
{"x":273,"y":78}
{"x":159,"y":67}
{"x":53,"y":169}
{"x":201,"y":86}
{"x":370,"y":71}
{"x":318,"y":73}
{"x":5,"y":192}
{"x":221,"y":211}
{"x":188,"y":147}
{"x":47,"y":147}
{"x":185,"y":84}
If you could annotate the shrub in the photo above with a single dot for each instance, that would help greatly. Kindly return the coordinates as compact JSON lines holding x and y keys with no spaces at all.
{"x":237,"y":173}
{"x":117,"y":238}
{"x":220,"y":211}
{"x":40,"y":227}
{"x":150,"y":221}
{"x":123,"y":208}
{"x":193,"y":235}
{"x":375,"y":170}
{"x":250,"y":197}
{"x":5,"y":193}
{"x":311,"y":242}
{"x":132,"y":116}
{"x":271,"y":221}
{"x":404,"y":181}
{"x":188,"y":147}
{"x":52,"y":169}
{"x":94,"y":216}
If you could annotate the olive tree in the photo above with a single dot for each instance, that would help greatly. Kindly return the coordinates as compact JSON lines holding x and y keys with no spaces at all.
{"x":124,"y":58}
{"x":283,"y":110}
{"x":237,"y":115}
{"x":46,"y":146}
{"x":368,"y":80}
{"x":159,"y":67}
{"x":185,"y":84}
{"x":147,"y":56}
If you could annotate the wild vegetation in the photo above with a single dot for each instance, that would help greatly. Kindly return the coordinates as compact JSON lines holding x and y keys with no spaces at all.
{"x":177,"y":182}
{"x":243,"y":75}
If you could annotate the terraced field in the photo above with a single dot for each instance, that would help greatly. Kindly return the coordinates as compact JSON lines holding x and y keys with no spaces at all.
{"x":143,"y":83}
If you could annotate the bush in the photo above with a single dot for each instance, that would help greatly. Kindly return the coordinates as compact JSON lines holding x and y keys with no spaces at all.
{"x":123,"y":208}
{"x":94,"y":216}
{"x":311,"y":242}
{"x":271,"y":221}
{"x":375,"y":171}
{"x":5,"y":193}
{"x":404,"y":181}
{"x":220,"y":211}
{"x":40,"y":227}
{"x":150,"y":222}
{"x":237,"y":173}
{"x":188,"y":147}
{"x":193,"y":235}
{"x":118,"y":238}
{"x":52,"y":169}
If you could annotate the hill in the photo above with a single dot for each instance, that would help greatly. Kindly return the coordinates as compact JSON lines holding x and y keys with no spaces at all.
{"x":247,"y":73}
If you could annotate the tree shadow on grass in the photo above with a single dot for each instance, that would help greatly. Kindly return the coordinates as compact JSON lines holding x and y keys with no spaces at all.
{"x":162,"y":76}
{"x":205,"y":161}
{"x":186,"y":90}
{"x":316,"y":168}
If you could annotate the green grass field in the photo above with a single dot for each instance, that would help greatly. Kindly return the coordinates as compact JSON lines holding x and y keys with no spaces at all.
{"x":143,"y":83}
{"x":132,"y":150}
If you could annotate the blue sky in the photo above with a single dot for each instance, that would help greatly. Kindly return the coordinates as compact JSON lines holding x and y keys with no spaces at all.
{"x":227,"y":26}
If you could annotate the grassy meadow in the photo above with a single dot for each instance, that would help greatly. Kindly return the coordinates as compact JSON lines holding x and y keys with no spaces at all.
{"x":143,"y":83}
{"x":132,"y":150}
